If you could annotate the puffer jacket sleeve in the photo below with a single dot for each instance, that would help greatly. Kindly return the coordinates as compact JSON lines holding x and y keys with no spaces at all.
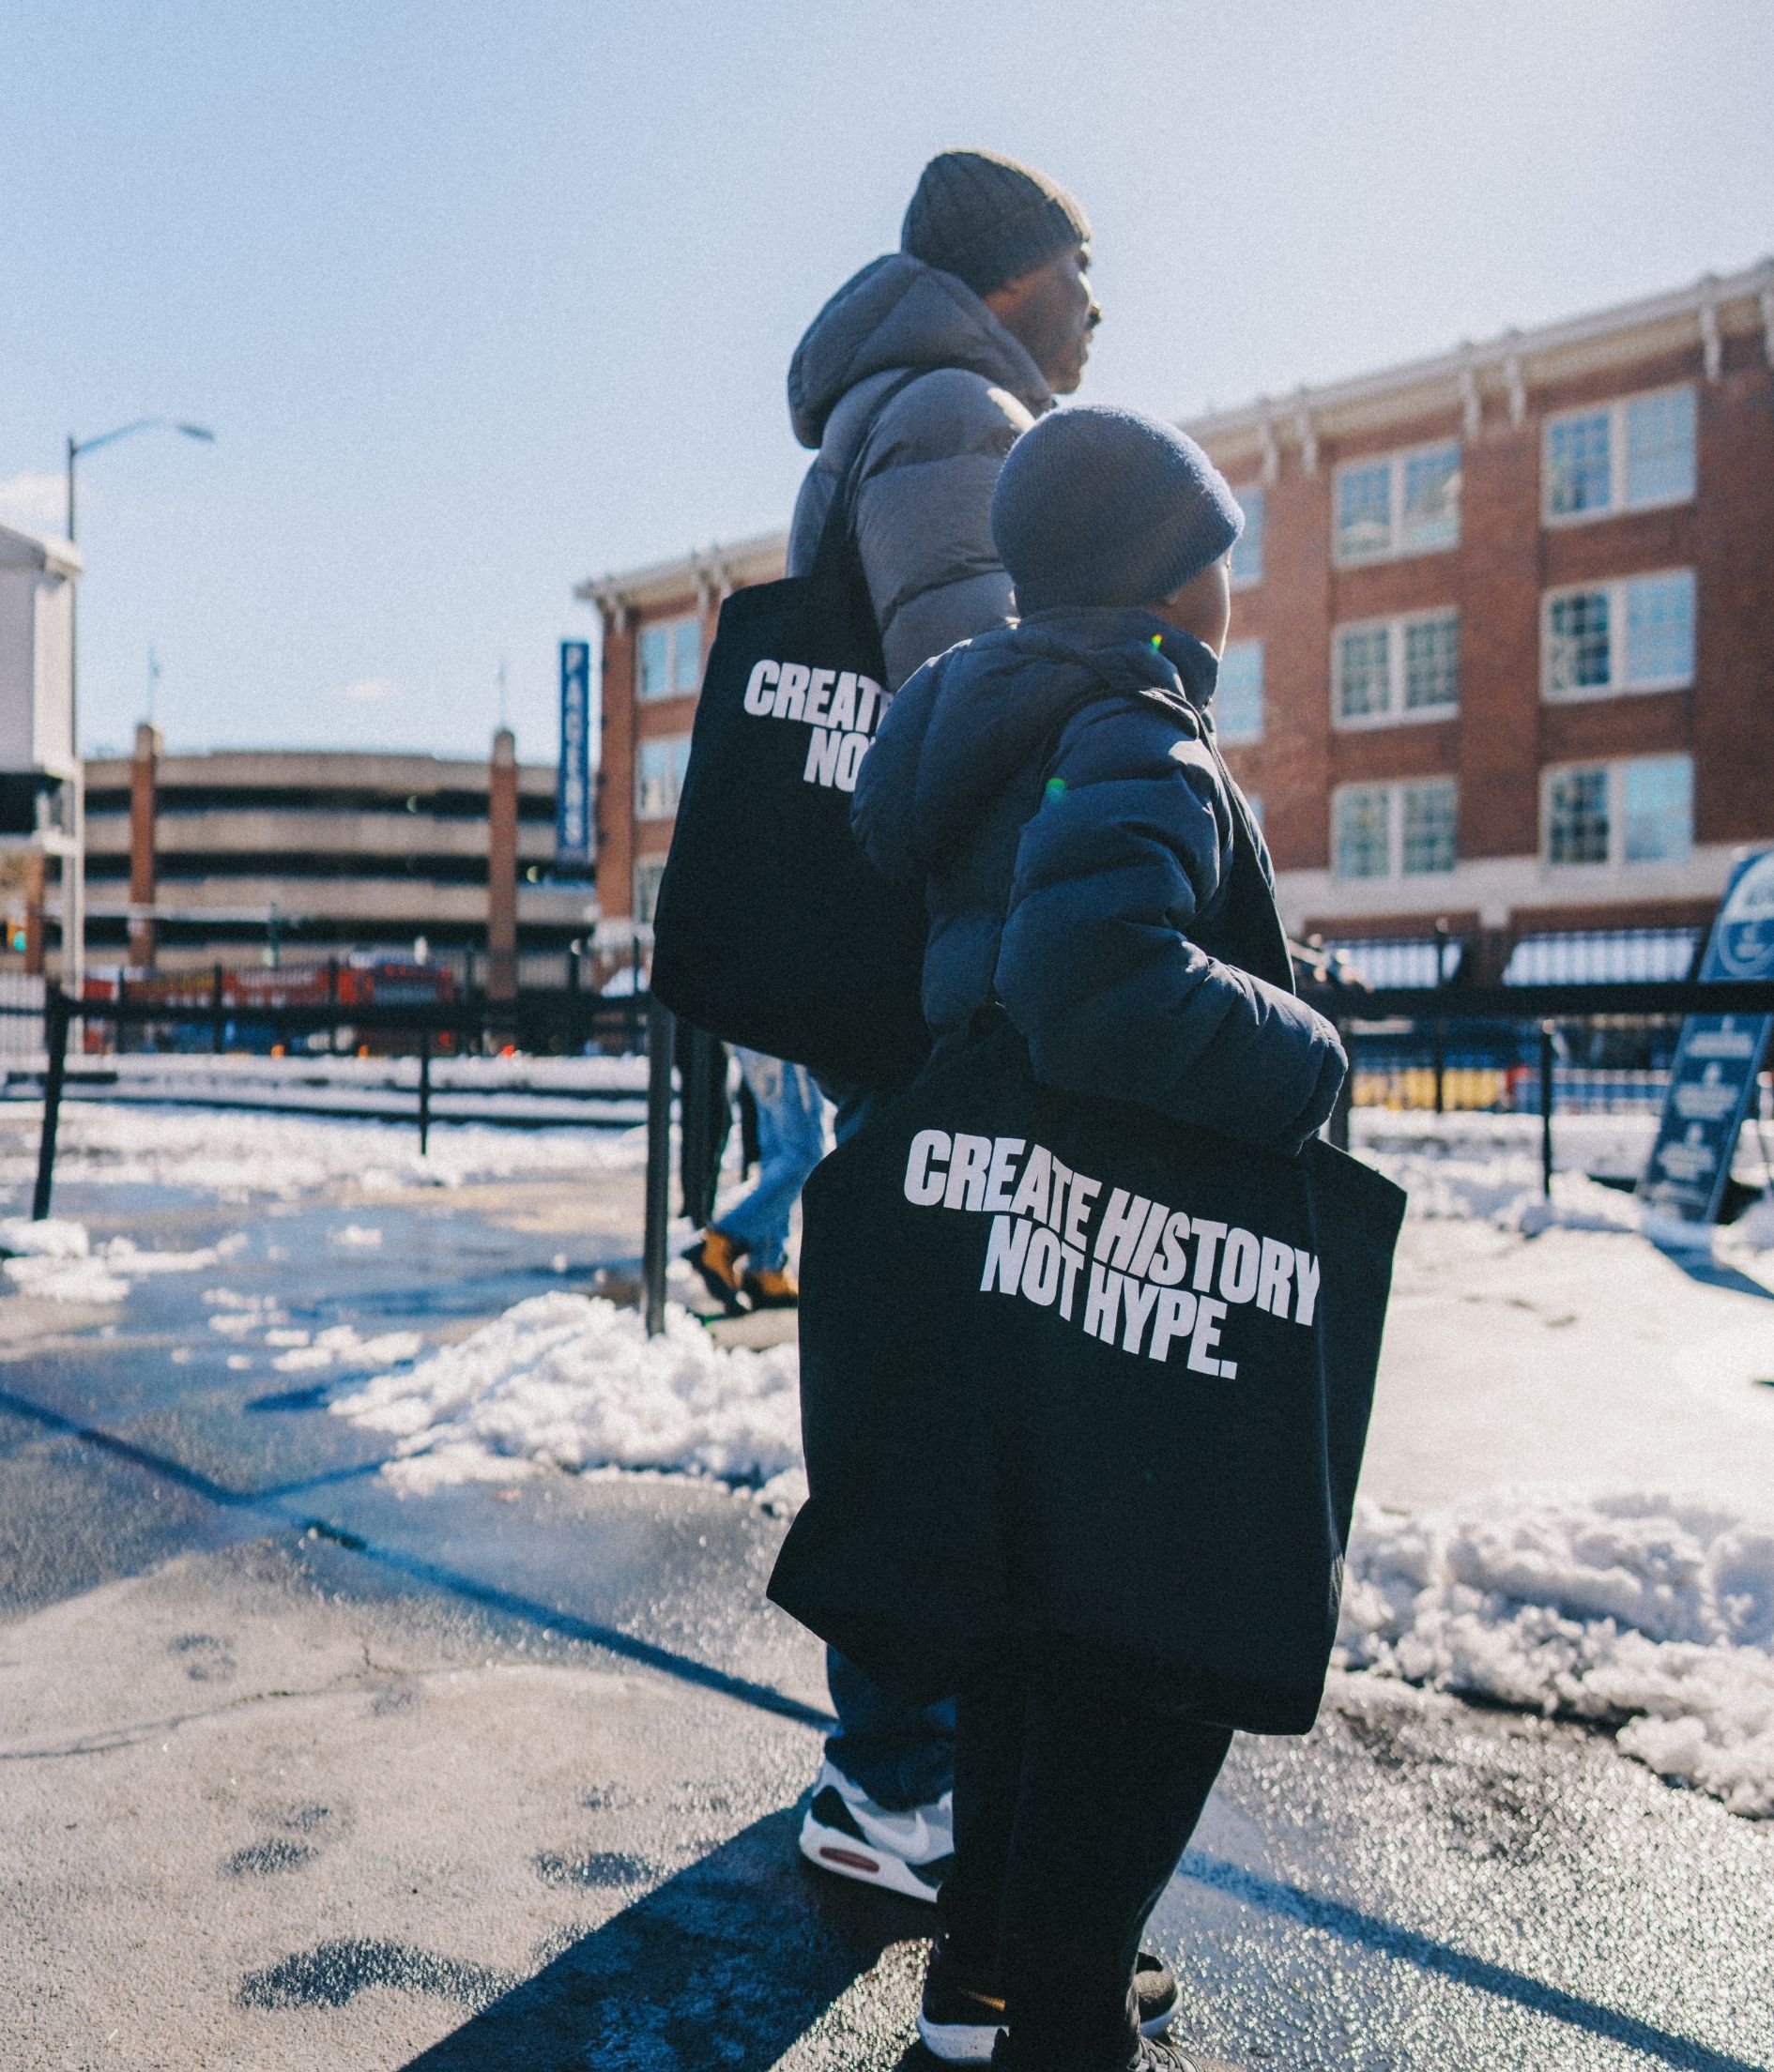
{"x":1097,"y":967}
{"x":924,"y":514}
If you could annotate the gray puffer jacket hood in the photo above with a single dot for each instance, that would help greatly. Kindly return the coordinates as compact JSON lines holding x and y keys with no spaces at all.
{"x":897,"y":313}
{"x":928,"y":451}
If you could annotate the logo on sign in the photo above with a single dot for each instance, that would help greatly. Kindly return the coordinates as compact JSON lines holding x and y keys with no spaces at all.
{"x":1743,"y":945}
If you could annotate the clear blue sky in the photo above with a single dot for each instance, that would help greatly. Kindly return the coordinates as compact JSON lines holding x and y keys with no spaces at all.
{"x":484,"y":295}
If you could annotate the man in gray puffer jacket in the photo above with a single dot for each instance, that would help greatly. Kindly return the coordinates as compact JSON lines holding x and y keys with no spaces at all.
{"x":988,"y":304}
{"x":920,"y":374}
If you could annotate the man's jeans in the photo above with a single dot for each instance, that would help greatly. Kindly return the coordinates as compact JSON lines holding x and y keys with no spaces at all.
{"x":790,"y":1143}
{"x":901,"y":1755}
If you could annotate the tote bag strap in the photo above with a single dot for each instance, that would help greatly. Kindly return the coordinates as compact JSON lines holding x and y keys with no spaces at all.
{"x":837,"y":541}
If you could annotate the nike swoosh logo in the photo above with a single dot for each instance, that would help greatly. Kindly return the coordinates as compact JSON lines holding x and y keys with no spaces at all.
{"x":907,"y":1834}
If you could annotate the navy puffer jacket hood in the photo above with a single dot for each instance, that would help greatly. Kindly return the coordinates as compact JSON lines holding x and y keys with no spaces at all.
{"x":1087,"y":862}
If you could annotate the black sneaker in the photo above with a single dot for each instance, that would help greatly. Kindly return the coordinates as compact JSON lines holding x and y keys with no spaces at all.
{"x":960,"y":2023}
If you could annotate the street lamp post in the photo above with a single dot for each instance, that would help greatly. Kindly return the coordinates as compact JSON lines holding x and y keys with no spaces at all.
{"x":75,"y":887}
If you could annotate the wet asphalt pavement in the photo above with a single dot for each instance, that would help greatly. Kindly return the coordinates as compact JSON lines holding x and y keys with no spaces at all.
{"x":296,"y":1771}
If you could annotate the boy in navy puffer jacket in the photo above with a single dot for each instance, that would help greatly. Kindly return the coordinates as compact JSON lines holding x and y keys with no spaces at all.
{"x":1055,"y":788}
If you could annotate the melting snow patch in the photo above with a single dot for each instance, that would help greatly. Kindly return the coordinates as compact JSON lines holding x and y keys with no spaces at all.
{"x":1632,"y":1609}
{"x":341,"y":1346}
{"x":56,"y":1260}
{"x":575,"y":1380}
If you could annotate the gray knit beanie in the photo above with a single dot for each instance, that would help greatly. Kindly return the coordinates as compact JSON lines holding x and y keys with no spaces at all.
{"x":987,"y":219}
{"x":1097,"y":505}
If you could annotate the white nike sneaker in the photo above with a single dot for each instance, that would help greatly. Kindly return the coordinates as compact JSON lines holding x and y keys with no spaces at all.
{"x":845,"y":1831}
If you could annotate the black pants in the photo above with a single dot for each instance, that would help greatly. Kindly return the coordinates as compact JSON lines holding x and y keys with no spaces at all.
{"x":1071,"y":1811}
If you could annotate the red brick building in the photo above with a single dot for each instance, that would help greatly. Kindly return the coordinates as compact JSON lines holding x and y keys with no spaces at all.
{"x":1503,"y":639}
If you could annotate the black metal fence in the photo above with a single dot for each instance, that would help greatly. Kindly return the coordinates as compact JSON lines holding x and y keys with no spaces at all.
{"x":1518,"y":1021}
{"x":541,"y":1023}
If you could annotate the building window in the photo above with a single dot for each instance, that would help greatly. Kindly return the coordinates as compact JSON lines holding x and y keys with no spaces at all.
{"x":1635,"y":635}
{"x":670,"y":657}
{"x":1364,"y":832}
{"x":1245,"y":566}
{"x":1238,"y":701}
{"x":1657,"y":798}
{"x":1427,"y":828}
{"x":1407,"y":503}
{"x":1387,"y":830}
{"x":1621,"y":456}
{"x":648,"y":872}
{"x":659,"y":769}
{"x":1391,"y":669}
{"x":1639,"y":811}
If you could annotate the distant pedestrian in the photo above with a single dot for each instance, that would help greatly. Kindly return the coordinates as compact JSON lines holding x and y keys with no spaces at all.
{"x":987,"y":306}
{"x":1091,"y":870}
{"x":743,"y":1256}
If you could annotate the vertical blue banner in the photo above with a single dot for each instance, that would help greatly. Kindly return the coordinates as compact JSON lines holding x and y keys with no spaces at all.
{"x":573,"y":788}
{"x":1713,"y":1084}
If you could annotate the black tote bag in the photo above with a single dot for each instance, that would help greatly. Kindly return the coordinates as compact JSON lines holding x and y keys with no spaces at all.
{"x":1084,"y":1393}
{"x":771,"y":930}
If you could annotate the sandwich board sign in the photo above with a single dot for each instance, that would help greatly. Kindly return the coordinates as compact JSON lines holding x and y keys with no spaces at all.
{"x":1713,"y":1083}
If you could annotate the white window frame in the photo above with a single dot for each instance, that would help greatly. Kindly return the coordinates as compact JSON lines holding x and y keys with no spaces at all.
{"x":672,"y":743}
{"x":1615,"y":410}
{"x":679,"y":628}
{"x":1396,"y":712}
{"x":1615,"y":590}
{"x":1617,"y":862}
{"x":1395,"y":789}
{"x":1258,"y":491}
{"x":1395,"y":550}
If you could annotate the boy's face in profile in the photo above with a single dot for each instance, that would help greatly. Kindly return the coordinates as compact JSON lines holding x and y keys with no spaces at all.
{"x":1202,"y":606}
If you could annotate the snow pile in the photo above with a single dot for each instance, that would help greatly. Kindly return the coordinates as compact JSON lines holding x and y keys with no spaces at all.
{"x":357,"y":1234}
{"x":236,"y":1154}
{"x":1487,"y":1167}
{"x":1491,"y":1178}
{"x":55,"y":1260}
{"x":575,"y":1380}
{"x":1636,"y":1609}
{"x":52,"y":1239}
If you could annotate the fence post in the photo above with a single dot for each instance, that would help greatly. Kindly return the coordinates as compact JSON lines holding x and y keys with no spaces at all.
{"x":425,"y":1091}
{"x":1337,"y":1129}
{"x":1440,"y":1026}
{"x":1546,"y":1109}
{"x":659,"y":1048}
{"x":56,"y":1008}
